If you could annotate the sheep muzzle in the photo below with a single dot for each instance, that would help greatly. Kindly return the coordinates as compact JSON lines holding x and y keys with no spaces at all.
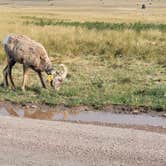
{"x":58,"y":76}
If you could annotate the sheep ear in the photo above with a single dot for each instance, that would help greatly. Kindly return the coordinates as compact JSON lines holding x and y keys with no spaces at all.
{"x":53,"y":72}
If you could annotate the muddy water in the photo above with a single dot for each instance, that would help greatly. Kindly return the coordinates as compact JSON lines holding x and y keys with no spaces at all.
{"x":86,"y":116}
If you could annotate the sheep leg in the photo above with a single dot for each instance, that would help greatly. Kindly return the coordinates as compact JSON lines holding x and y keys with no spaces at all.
{"x":25,"y":72}
{"x":41,"y":79}
{"x":10,"y":74}
{"x":5,"y":75}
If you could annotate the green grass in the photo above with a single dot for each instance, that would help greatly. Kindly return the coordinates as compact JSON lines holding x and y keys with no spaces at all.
{"x":109,"y":63}
{"x":100,"y":87}
{"x":138,"y":26}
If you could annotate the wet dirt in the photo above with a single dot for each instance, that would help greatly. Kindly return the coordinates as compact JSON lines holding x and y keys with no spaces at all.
{"x":82,"y":114}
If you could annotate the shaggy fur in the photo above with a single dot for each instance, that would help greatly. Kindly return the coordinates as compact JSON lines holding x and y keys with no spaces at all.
{"x":22,"y":49}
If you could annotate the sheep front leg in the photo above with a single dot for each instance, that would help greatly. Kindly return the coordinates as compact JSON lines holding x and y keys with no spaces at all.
{"x":25,"y":72}
{"x":10,"y":74}
{"x":41,"y":79}
{"x":5,"y":75}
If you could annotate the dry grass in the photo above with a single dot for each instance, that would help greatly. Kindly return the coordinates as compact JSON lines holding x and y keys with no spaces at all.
{"x":105,"y":66}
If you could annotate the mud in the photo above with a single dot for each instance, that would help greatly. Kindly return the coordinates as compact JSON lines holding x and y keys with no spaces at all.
{"x":87,"y":115}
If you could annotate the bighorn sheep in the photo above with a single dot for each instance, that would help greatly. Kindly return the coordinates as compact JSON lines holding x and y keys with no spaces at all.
{"x":22,"y":49}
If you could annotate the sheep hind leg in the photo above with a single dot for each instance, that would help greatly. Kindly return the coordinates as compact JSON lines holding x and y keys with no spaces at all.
{"x":25,"y":72}
{"x":10,"y":74}
{"x":5,"y":75}
{"x":41,"y":79}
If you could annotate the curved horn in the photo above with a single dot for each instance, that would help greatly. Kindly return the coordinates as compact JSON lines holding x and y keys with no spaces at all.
{"x":65,"y":71}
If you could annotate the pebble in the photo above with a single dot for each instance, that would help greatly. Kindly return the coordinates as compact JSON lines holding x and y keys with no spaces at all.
{"x":33,"y":106}
{"x":164,"y":115}
{"x":135,"y":112}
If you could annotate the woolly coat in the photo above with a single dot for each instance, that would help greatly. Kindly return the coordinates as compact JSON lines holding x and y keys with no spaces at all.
{"x":22,"y":49}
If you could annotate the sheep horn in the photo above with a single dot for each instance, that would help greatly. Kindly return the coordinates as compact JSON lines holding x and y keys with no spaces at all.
{"x":65,"y":71}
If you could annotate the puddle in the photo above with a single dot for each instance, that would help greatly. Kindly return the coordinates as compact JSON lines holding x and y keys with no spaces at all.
{"x":86,"y":116}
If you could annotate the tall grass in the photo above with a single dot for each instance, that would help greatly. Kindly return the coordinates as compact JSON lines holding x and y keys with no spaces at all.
{"x":138,"y":26}
{"x":109,"y":63}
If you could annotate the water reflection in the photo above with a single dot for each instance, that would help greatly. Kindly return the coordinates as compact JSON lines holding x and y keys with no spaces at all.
{"x":37,"y":114}
{"x":85,"y":116}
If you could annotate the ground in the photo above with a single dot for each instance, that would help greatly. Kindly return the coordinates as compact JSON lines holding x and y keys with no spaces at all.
{"x":35,"y":142}
{"x":116,"y":56}
{"x":115,"y":52}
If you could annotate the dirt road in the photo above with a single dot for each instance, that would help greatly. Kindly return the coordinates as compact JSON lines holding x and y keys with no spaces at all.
{"x":26,"y":142}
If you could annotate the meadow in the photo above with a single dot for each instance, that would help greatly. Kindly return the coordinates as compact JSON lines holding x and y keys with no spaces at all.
{"x":113,"y":57}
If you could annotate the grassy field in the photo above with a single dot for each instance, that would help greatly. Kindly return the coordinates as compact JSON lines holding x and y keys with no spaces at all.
{"x":114,"y":55}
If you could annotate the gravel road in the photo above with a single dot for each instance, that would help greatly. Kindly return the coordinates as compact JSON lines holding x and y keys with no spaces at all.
{"x":27,"y":142}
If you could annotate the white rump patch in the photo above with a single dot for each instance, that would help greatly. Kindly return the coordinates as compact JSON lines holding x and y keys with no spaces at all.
{"x":5,"y":40}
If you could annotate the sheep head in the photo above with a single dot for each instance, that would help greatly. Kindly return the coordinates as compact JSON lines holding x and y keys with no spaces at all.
{"x":57,"y":77}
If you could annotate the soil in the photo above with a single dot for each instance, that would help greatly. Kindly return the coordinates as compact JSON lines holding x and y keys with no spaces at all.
{"x":45,"y":112}
{"x":110,"y":108}
{"x":25,"y":141}
{"x":40,"y":143}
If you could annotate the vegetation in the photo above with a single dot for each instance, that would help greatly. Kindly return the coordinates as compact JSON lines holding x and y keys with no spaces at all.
{"x":137,"y":26}
{"x":109,"y":62}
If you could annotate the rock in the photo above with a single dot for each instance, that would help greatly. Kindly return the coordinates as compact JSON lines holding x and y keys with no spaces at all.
{"x":135,"y":112}
{"x":33,"y":106}
{"x":26,"y":107}
{"x":164,"y":115}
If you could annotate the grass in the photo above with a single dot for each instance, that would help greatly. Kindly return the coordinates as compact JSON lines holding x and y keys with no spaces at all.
{"x":109,"y":61}
{"x":98,"y":87}
{"x":137,"y":26}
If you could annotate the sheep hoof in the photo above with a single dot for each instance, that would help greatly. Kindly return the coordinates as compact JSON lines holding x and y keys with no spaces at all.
{"x":5,"y":86}
{"x":13,"y":88}
{"x":23,"y":89}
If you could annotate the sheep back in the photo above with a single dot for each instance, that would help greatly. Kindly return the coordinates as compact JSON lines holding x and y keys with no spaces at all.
{"x":28,"y":52}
